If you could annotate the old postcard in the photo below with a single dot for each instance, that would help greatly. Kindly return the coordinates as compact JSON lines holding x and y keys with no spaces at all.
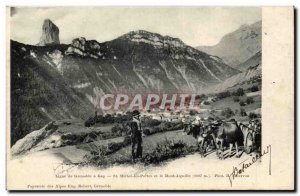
{"x":150,"y":98}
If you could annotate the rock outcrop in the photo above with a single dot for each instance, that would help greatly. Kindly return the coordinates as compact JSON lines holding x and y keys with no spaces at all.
{"x":82,"y":47}
{"x":32,"y":139}
{"x":50,"y":34}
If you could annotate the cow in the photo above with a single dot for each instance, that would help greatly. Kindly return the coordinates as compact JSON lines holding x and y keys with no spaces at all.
{"x":200,"y":133}
{"x":229,"y":132}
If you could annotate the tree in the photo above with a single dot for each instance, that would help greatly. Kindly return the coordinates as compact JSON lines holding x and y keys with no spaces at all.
{"x":201,"y":97}
{"x":223,"y":95}
{"x":240,"y":92}
{"x":254,"y":88}
{"x":243,"y":112}
{"x":236,"y":112}
{"x":249,"y":100}
{"x":193,"y":112}
{"x":206,"y":103}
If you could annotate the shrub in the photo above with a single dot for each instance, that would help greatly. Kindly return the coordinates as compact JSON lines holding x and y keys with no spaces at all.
{"x":236,"y":99}
{"x":242,"y":103}
{"x":193,"y":112}
{"x":122,"y":118}
{"x":236,"y":112}
{"x":152,"y":130}
{"x":118,"y":128}
{"x":89,"y":122}
{"x":227,"y":113}
{"x":223,"y":95}
{"x":253,"y":115}
{"x":113,"y":147}
{"x":68,"y":136}
{"x":98,"y":153}
{"x":109,"y":135}
{"x":165,"y":150}
{"x":93,"y":135}
{"x":170,"y":126}
{"x":108,"y":119}
{"x":151,"y":122}
{"x":73,"y":139}
{"x":214,"y":99}
{"x":243,"y":112}
{"x":99,"y":119}
{"x":147,"y":131}
{"x":127,"y":140}
{"x":157,"y":129}
{"x":201,"y":97}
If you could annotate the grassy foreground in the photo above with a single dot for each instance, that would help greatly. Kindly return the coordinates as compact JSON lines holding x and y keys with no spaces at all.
{"x":156,"y":149}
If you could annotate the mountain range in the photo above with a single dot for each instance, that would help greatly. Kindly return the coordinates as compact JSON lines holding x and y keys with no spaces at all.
{"x":51,"y":81}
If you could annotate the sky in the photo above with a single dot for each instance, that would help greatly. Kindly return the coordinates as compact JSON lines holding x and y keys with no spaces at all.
{"x":196,"y":26}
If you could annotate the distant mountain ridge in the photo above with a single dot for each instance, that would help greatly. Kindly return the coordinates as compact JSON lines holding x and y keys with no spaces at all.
{"x":152,"y":61}
{"x":238,"y":46}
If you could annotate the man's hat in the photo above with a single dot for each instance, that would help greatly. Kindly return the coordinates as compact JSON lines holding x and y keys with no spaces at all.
{"x":251,"y":121}
{"x":135,"y":113}
{"x":216,"y":122}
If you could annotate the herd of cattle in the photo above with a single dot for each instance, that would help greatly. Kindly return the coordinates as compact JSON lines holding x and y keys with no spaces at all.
{"x":218,"y":134}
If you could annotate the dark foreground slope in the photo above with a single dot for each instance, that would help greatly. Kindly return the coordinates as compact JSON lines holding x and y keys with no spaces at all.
{"x":39,"y":93}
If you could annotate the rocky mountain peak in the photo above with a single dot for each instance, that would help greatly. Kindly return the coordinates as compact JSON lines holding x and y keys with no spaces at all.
{"x":155,"y":39}
{"x":238,"y":46}
{"x":50,"y":33}
{"x":247,"y":27}
{"x":79,"y":43}
{"x":82,"y":47}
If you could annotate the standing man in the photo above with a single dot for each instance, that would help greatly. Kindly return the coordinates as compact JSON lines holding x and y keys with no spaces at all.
{"x":136,"y":136}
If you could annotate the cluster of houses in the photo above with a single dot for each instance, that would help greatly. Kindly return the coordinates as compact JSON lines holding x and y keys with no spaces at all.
{"x":169,"y":115}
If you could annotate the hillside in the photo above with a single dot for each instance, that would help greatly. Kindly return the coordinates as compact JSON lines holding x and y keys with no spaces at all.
{"x":251,"y":62}
{"x":252,"y":73}
{"x":39,"y":93}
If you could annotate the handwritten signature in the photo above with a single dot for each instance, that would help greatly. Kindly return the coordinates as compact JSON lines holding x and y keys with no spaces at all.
{"x":243,"y":166}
